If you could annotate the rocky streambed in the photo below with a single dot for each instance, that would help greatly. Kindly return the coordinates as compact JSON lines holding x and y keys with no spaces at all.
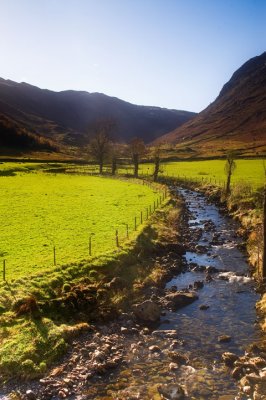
{"x":196,"y":338}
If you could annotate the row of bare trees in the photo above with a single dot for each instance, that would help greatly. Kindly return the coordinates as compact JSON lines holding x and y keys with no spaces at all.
{"x":103,"y":149}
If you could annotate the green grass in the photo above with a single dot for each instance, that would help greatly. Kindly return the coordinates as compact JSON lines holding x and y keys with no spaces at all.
{"x":41,"y":210}
{"x":249,"y":171}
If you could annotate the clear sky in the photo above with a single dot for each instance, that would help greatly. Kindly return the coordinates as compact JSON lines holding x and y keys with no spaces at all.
{"x":168,"y":53}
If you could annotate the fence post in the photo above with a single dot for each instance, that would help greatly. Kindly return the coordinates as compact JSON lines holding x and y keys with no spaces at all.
{"x":157,"y":203}
{"x":127,"y":230}
{"x":147,"y":213}
{"x":141,"y":217}
{"x":90,"y":245}
{"x":150,"y":209}
{"x":54,"y":256}
{"x":154,"y":205}
{"x":135,"y":223}
{"x":4,"y":270}
{"x":116,"y":238}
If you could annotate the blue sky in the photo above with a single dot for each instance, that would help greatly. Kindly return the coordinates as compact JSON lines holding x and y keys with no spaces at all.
{"x":168,"y":53}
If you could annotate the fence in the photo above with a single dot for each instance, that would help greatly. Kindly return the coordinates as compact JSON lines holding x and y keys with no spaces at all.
{"x":115,"y":240}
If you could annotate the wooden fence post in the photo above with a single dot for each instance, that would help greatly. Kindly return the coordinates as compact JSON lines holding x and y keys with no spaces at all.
{"x":141,"y":217}
{"x":147,"y":213}
{"x":150,"y":209}
{"x":127,"y":230}
{"x":135,"y":223}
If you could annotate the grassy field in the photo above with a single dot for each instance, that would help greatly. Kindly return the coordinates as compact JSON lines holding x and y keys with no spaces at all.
{"x":40,"y":211}
{"x":248,"y":171}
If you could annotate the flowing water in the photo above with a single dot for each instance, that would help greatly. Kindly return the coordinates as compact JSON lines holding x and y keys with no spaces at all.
{"x":231,"y":299}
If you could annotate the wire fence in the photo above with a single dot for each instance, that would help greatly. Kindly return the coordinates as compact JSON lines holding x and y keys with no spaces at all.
{"x":93,"y":243}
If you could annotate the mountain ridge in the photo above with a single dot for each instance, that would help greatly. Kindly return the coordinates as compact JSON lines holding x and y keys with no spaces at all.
{"x":65,"y":116}
{"x":237,"y":115}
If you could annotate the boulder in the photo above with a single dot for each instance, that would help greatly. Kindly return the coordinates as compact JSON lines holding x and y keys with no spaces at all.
{"x":181,"y":299}
{"x":229,"y":358}
{"x":147,"y":311}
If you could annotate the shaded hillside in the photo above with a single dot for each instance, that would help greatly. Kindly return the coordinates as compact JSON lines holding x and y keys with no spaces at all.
{"x":236,"y":119}
{"x":14,"y":137}
{"x":65,"y":116}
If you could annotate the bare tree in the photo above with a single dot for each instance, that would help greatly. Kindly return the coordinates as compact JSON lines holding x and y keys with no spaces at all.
{"x":229,"y":168}
{"x":100,"y":143}
{"x":156,"y":155}
{"x":137,"y":149}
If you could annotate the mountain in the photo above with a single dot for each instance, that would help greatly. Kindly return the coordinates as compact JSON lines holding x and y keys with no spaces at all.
{"x":236,"y":120}
{"x":64,"y":117}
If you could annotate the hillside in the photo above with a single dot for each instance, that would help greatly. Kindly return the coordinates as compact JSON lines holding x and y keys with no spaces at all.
{"x":12,"y":136}
{"x":235,"y":120}
{"x":65,"y":116}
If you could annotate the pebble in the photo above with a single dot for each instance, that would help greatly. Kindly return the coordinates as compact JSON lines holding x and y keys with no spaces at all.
{"x":30,"y":395}
{"x":154,"y":349}
{"x":224,"y":338}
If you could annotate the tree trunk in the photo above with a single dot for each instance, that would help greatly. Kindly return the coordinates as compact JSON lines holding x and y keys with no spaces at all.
{"x":264,"y":237}
{"x":114,"y":166}
{"x":156,"y":168}
{"x":136,"y":165}
{"x":101,"y":167}
{"x":228,"y":182}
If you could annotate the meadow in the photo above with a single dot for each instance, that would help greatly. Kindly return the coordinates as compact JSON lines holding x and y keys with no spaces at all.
{"x":78,"y":214}
{"x":249,"y":171}
{"x":41,"y":211}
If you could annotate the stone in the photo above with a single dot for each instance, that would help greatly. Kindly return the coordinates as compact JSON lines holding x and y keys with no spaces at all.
{"x":204,"y":307}
{"x":229,"y":358}
{"x":30,"y":395}
{"x":246,"y":389}
{"x":224,"y":338}
{"x":154,"y":349}
{"x":208,"y":278}
{"x":200,"y":249}
{"x":181,"y":299}
{"x":173,"y":366}
{"x":259,"y":362}
{"x":198,"y":285}
{"x":237,"y":373}
{"x":171,"y":392}
{"x":178,"y":357}
{"x":147,"y":311}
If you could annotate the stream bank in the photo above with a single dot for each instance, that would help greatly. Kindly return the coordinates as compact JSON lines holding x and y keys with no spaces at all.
{"x":193,"y":351}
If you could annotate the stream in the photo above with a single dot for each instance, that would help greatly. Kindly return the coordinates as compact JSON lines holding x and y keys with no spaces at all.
{"x":223,"y":319}
{"x":229,"y":309}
